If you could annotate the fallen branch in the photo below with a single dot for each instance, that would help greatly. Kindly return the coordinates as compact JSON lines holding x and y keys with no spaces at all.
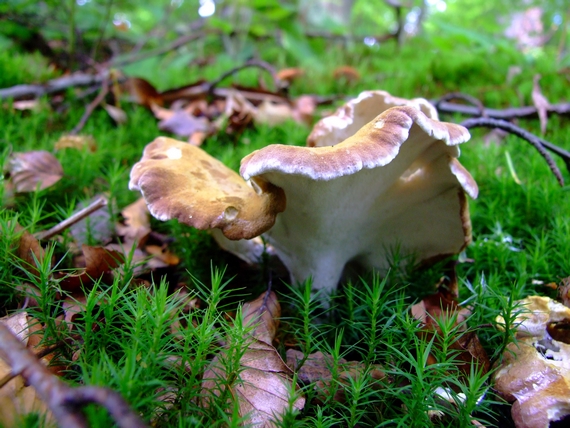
{"x":56,"y":85}
{"x":506,"y":114}
{"x":64,"y":401}
{"x":538,"y":143}
{"x":465,"y":97}
{"x":78,"y":216}
{"x":91,"y":107}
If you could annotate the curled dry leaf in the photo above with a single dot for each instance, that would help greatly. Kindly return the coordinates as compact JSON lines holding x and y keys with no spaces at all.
{"x":535,"y":372}
{"x":32,"y":170}
{"x":466,"y":348}
{"x":98,"y":260}
{"x":29,"y":251}
{"x":79,"y":142}
{"x":264,"y":385}
{"x":318,"y":370}
{"x":137,"y":222}
{"x":116,"y":113}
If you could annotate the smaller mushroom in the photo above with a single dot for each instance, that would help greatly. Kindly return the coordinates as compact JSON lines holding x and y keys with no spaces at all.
{"x":535,"y":372}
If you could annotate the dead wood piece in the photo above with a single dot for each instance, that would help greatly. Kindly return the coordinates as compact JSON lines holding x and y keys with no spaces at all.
{"x":19,"y":92}
{"x":64,"y":401}
{"x":538,"y":143}
{"x":465,"y":97}
{"x":505,"y":114}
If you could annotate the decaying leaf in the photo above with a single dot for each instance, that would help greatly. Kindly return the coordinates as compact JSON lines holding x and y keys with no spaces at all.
{"x":264,"y":385}
{"x":318,"y":370}
{"x":137,"y":221}
{"x":564,"y":292}
{"x":29,"y":251}
{"x":184,"y":124}
{"x":16,"y":398}
{"x":541,"y":103}
{"x":535,"y":372}
{"x":98,"y":260}
{"x":116,"y":113}
{"x":97,"y":227}
{"x":79,"y":142}
{"x":467,"y":348}
{"x":32,"y":170}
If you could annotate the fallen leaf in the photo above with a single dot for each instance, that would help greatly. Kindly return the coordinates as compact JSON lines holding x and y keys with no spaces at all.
{"x":30,"y":252}
{"x":564,"y":291}
{"x":289,"y":74}
{"x":163,"y":254}
{"x":16,"y":398}
{"x":98,"y":260}
{"x":137,"y":222}
{"x":142,"y":92}
{"x":304,"y":109}
{"x":347,"y":72}
{"x":318,"y":369}
{"x":116,"y":113}
{"x":96,"y":228}
{"x":272,"y":114}
{"x":264,"y":384}
{"x":31,"y":170}
{"x":26,"y":104}
{"x":184,"y":124}
{"x":79,"y":142}
{"x":540,"y":102}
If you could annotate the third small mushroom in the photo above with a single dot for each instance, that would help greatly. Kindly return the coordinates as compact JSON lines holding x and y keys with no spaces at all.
{"x":379,"y":175}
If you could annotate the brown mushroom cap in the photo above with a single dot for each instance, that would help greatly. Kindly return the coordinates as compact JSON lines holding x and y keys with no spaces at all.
{"x":181,"y":181}
{"x":394,"y":184}
{"x":356,"y":113}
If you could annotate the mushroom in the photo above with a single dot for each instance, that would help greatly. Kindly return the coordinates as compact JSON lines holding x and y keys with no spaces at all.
{"x":356,"y":113}
{"x":395,"y":184}
{"x":535,"y":372}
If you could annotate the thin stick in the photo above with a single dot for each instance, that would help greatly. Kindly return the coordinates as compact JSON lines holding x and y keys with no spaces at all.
{"x":78,"y":216}
{"x":525,"y":135}
{"x":64,"y":402}
{"x":251,"y":63}
{"x":91,"y":107}
{"x":465,"y":97}
{"x":505,"y":114}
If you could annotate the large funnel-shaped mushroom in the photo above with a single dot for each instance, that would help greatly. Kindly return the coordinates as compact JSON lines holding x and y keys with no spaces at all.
{"x":394,"y":185}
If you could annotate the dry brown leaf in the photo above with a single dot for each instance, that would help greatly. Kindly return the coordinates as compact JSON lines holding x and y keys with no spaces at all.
{"x":142,"y":92}
{"x":264,"y":384}
{"x":541,"y":103}
{"x":98,"y":261}
{"x":289,"y":74}
{"x":163,"y":254}
{"x":31,"y":170}
{"x":351,"y":74}
{"x":116,"y":113}
{"x":30,"y":251}
{"x":79,"y":142}
{"x":564,"y":292}
{"x":317,"y":370}
{"x":272,"y":114}
{"x":17,"y":399}
{"x":97,"y":227}
{"x":184,"y":124}
{"x":443,"y":305}
{"x":137,"y":222}
{"x":304,"y":109}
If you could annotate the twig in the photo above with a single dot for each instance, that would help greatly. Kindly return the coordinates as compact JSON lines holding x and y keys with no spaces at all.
{"x":251,"y":63}
{"x":78,"y":216}
{"x":91,"y":107}
{"x":525,"y":135}
{"x":56,"y":85}
{"x":175,"y":44}
{"x":506,"y":114}
{"x":63,"y":400}
{"x":465,"y":97}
